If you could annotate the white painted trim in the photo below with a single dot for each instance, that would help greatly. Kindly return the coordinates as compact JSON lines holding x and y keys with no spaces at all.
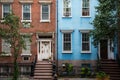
{"x":45,"y":2}
{"x":66,"y":31}
{"x":63,"y":44}
{"x":89,"y":10}
{"x":41,"y":20}
{"x":30,"y":13}
{"x":26,"y":54}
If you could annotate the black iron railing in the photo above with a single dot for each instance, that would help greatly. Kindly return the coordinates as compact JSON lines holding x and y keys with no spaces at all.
{"x":33,"y":65}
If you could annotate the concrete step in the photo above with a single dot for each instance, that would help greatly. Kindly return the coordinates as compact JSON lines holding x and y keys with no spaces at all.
{"x":43,"y":74}
{"x":43,"y":71}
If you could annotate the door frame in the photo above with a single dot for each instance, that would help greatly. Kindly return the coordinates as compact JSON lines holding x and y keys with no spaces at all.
{"x":38,"y":52}
{"x":109,"y":51}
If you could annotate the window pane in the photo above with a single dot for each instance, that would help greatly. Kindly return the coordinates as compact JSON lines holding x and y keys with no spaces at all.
{"x":26,"y":16}
{"x":6,"y":9}
{"x":27,"y":46}
{"x":5,"y":47}
{"x":85,"y":8}
{"x":66,"y":8}
{"x":85,"y":42}
{"x":67,"y":42}
{"x":45,"y":12}
{"x":26,"y":11}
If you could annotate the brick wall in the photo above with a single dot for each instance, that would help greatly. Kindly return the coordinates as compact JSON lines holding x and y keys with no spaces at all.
{"x":37,"y":26}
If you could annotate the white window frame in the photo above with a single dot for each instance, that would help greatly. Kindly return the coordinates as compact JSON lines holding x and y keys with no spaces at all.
{"x":5,"y":71}
{"x":87,"y":51}
{"x":47,"y":20}
{"x":64,"y":51}
{"x":23,"y":69}
{"x":82,"y":10}
{"x":3,"y":9}
{"x":68,"y":7}
{"x":30,"y":13}
{"x":6,"y":53}
{"x":26,"y":52}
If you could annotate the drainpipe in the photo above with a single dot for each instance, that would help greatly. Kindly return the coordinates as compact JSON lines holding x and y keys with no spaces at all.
{"x":57,"y":34}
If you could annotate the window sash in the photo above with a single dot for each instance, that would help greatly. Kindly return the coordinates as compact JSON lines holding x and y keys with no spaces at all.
{"x":45,"y":12}
{"x":85,"y":42}
{"x":26,"y":11}
{"x":66,"y":8}
{"x":6,"y":47}
{"x":6,"y":9}
{"x":27,"y":46}
{"x":67,"y":42}
{"x":85,"y":8}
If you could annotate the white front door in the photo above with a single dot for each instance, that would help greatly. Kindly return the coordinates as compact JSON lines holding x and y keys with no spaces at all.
{"x":44,"y":49}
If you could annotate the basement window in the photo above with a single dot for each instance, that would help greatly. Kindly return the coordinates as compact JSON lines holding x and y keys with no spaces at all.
{"x":26,"y":58}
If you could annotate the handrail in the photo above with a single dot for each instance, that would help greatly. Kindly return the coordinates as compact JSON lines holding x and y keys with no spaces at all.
{"x":118,"y":59}
{"x":33,"y":65}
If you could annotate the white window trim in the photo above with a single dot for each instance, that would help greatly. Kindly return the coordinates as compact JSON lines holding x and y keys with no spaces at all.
{"x":89,"y":10}
{"x":63,"y":10}
{"x":63,"y":43}
{"x":2,"y":9}
{"x":48,"y":13}
{"x":86,"y":31}
{"x":26,"y":54}
{"x":7,"y":54}
{"x":30,"y":13}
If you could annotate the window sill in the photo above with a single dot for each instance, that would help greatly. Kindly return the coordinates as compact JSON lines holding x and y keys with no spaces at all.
{"x":2,"y":21}
{"x":44,"y":21}
{"x":67,"y":52}
{"x":86,"y":52}
{"x":86,"y":16}
{"x":26,"y":20}
{"x":6,"y":55}
{"x":25,"y":54}
{"x":66,"y":16}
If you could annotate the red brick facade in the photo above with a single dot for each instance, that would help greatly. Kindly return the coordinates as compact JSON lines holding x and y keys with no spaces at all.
{"x":37,"y":28}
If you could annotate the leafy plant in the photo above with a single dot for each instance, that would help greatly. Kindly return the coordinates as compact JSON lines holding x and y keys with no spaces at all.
{"x":85,"y":72}
{"x":101,"y":75}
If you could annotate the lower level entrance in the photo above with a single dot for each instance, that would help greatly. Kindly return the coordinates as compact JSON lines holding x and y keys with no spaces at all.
{"x":104,"y":49}
{"x":44,"y":49}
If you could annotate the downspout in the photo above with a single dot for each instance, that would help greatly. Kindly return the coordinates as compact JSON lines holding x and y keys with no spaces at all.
{"x":57,"y":35}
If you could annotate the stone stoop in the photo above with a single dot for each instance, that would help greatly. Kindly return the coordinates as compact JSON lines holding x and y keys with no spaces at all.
{"x":112,"y":68}
{"x":43,"y":71}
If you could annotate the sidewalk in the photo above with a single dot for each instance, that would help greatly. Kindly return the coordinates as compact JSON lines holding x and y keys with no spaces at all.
{"x":76,"y":79}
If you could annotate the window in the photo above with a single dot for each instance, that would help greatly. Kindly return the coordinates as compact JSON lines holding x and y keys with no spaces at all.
{"x":67,"y":8}
{"x":26,"y":69}
{"x":85,"y":8}
{"x":6,"y":10}
{"x":26,"y":58}
{"x":45,"y":13}
{"x":85,"y":42}
{"x":27,"y":50}
{"x":6,"y":47}
{"x":5,"y":69}
{"x":66,"y":42}
{"x":26,"y":12}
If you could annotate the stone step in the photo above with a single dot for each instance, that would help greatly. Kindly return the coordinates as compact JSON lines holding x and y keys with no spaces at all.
{"x":43,"y":74}
{"x":43,"y":71}
{"x":43,"y":68}
{"x":43,"y":77}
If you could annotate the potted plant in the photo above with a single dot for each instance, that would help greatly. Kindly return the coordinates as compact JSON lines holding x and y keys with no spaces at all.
{"x":102,"y":76}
